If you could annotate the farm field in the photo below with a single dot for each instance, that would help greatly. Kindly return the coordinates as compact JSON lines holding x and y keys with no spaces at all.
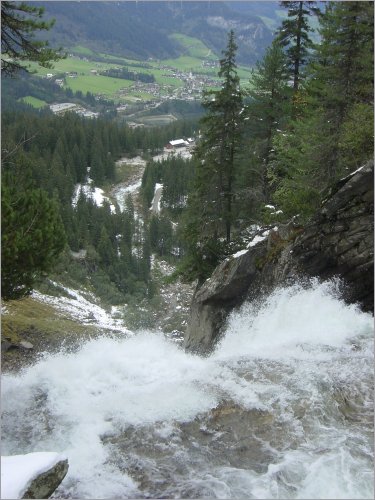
{"x":193,"y":53}
{"x":97,"y":84}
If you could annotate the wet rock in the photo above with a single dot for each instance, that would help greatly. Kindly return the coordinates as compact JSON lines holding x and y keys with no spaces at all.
{"x":338,"y":241}
{"x":216,"y":298}
{"x":46,"y":483}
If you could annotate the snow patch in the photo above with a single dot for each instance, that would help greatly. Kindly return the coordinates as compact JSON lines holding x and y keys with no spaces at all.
{"x":258,"y":239}
{"x":155,"y":204}
{"x":352,"y":173}
{"x":18,"y":471}
{"x":81,"y":309}
{"x":239,"y":253}
{"x":95,"y":193}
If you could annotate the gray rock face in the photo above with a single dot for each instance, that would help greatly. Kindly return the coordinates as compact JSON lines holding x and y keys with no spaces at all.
{"x":46,"y":483}
{"x":214,"y":300}
{"x":337,"y":242}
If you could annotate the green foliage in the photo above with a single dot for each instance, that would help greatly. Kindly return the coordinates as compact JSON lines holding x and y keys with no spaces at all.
{"x":294,"y":35}
{"x":125,"y":74}
{"x":32,"y":237}
{"x":161,"y":235}
{"x":19,"y":22}
{"x":267,"y":115}
{"x":357,"y":136}
{"x":210,"y":204}
{"x":333,"y":133}
{"x":54,"y":153}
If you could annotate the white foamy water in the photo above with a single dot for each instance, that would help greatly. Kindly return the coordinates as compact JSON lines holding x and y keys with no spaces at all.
{"x":282,"y":409}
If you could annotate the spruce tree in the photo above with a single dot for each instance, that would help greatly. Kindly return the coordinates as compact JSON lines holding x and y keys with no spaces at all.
{"x":294,"y":36}
{"x":334,"y":135}
{"x":32,"y":236}
{"x":210,"y":206}
{"x":341,"y":86}
{"x":19,"y":23}
{"x":268,"y":112}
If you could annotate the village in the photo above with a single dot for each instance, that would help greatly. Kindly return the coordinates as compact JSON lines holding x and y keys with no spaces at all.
{"x":149,"y":95}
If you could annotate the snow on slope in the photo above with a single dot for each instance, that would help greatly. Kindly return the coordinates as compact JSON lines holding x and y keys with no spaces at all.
{"x":83,"y":310}
{"x":95,"y":193}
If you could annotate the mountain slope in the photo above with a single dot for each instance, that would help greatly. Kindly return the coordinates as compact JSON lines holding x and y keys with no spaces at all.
{"x":142,"y":29}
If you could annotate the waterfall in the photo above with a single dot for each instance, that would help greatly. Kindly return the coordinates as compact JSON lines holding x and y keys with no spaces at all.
{"x":282,"y":409}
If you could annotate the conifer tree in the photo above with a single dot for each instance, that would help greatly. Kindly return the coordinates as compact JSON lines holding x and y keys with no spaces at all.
{"x":19,"y":22}
{"x":335,"y":133}
{"x":32,"y":236}
{"x":268,"y":111}
{"x":294,"y":36}
{"x":341,"y":86}
{"x":210,"y":209}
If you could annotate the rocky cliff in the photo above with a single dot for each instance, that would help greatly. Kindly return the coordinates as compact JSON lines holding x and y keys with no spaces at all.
{"x":338,"y":241}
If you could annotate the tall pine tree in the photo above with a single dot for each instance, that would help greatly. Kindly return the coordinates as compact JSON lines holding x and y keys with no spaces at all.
{"x":210,"y":211}
{"x":294,"y":36}
{"x":268,"y":111}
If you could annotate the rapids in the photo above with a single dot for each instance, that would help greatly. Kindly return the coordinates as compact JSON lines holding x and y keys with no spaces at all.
{"x":282,"y":409}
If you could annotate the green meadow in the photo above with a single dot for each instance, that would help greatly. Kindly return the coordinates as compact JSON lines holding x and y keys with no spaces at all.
{"x":194,"y":47}
{"x":33,"y":101}
{"x":193,"y":54}
{"x":97,"y":84}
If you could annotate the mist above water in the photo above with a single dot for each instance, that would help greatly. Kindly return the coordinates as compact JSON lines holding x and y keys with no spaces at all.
{"x":282,"y":409}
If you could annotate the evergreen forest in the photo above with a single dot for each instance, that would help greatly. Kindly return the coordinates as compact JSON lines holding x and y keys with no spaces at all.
{"x":265,"y":153}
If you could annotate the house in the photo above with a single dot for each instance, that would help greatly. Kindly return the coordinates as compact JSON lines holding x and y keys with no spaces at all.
{"x":178,"y":143}
{"x":62,"y":107}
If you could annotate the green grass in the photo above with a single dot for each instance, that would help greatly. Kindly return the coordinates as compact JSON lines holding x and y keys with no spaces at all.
{"x":196,"y":51}
{"x":78,"y":49}
{"x":97,"y":84}
{"x":185,"y":63}
{"x":33,"y":101}
{"x":143,"y":95}
{"x":194,"y":47}
{"x":43,"y":317}
{"x":71,"y":64}
{"x":162,"y":79}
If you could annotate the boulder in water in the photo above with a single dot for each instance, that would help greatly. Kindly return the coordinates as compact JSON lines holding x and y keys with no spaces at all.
{"x":34,"y":475}
{"x":46,"y":483}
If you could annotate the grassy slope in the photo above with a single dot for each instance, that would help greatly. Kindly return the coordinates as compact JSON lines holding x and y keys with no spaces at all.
{"x":194,"y":47}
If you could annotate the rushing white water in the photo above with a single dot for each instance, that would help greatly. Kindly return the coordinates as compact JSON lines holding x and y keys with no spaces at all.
{"x":282,"y":409}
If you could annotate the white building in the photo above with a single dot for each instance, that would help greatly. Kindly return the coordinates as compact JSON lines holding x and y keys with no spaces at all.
{"x":178,"y":143}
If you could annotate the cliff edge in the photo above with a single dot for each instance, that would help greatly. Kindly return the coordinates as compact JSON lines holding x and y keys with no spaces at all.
{"x":338,"y":241}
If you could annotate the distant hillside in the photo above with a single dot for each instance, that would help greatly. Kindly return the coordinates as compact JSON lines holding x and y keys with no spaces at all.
{"x":142,"y":29}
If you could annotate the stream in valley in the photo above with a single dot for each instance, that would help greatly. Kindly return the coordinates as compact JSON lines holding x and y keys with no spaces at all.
{"x":282,"y":409}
